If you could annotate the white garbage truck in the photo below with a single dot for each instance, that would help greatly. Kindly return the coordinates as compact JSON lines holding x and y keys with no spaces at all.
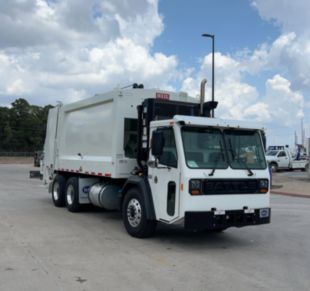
{"x":157,"y":156}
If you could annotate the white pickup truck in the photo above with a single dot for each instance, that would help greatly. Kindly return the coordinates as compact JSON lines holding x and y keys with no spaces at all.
{"x":282,"y":159}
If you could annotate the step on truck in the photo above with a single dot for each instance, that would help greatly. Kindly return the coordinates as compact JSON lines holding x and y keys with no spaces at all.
{"x":157,"y":156}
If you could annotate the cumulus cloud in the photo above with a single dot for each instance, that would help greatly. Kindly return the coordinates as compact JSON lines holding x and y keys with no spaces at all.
{"x":285,"y":104}
{"x":289,"y":15}
{"x":282,"y":101}
{"x":67,"y":50}
{"x":279,"y":103}
{"x":233,"y":94}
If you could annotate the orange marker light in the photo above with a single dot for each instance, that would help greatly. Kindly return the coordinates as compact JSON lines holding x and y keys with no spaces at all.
{"x":195,"y":192}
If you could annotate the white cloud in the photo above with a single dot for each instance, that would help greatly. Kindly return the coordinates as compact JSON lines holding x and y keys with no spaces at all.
{"x":291,"y":51}
{"x":70,"y":49}
{"x":280,"y":103}
{"x":233,"y":94}
{"x":285,"y":105}
{"x":62,"y":50}
{"x":17,"y":87}
{"x":289,"y":15}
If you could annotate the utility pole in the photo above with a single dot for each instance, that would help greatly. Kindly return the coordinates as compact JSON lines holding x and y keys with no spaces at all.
{"x":212,"y":36}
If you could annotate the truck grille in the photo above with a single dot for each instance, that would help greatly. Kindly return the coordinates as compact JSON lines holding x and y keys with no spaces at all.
{"x":231,"y":186}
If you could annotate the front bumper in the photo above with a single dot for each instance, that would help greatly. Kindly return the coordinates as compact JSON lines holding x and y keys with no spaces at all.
{"x":211,"y":220}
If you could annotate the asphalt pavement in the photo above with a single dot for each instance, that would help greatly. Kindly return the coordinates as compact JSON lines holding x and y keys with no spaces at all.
{"x":292,"y":183}
{"x":47,"y":248}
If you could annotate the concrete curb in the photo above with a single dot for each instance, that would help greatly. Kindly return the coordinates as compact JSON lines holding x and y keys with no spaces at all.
{"x":291,"y":194}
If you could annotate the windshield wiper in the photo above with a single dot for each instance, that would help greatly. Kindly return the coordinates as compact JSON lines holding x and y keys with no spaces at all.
{"x":240,"y":162}
{"x":247,"y":168}
{"x":217,"y":161}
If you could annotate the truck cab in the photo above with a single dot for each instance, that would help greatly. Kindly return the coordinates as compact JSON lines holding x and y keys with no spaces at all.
{"x":208,"y":174}
{"x":280,"y":158}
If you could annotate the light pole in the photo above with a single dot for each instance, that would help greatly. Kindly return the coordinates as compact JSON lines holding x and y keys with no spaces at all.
{"x":212,"y":37}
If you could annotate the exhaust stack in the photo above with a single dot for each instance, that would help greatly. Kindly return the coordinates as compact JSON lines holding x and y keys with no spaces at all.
{"x":202,"y":95}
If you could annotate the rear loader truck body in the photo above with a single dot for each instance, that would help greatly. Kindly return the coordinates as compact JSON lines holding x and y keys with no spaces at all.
{"x":157,"y":156}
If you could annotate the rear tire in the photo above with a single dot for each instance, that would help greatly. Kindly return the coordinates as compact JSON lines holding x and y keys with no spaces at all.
{"x":72,"y":195}
{"x":134,"y":215}
{"x":58,"y":191}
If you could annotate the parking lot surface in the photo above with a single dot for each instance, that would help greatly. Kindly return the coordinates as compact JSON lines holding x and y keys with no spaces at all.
{"x":47,"y":248}
{"x":295,"y":183}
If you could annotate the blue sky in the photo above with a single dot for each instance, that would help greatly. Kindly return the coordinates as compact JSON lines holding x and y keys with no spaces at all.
{"x":236,"y":24}
{"x":71,"y":49}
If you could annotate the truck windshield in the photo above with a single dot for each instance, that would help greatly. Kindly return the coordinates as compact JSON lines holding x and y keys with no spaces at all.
{"x":272,"y":153}
{"x":245,"y":149}
{"x":204,"y":148}
{"x":210,"y":148}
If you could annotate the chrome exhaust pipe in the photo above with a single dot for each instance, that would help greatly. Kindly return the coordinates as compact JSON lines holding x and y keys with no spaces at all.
{"x":202,"y":95}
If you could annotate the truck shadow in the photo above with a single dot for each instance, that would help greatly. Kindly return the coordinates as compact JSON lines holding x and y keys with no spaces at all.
{"x":177,"y":236}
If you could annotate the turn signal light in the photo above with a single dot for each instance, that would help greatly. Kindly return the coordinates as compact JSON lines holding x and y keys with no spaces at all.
{"x":195,"y":192}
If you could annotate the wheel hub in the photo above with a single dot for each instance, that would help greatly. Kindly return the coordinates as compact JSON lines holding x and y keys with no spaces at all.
{"x":134,"y":213}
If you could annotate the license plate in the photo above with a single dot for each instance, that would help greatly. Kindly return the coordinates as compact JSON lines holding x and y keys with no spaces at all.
{"x":264,"y":212}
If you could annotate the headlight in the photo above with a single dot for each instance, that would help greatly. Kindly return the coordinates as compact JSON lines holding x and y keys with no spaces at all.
{"x":195,"y":187}
{"x":263,"y":186}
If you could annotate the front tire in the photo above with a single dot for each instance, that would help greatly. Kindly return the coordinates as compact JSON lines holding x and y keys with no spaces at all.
{"x":72,"y":195}
{"x":274,"y":167}
{"x":134,"y":215}
{"x":58,"y":191}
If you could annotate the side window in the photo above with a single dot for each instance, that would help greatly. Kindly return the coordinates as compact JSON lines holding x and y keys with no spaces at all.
{"x":169,"y":156}
{"x":130,"y":137}
{"x":282,"y":154}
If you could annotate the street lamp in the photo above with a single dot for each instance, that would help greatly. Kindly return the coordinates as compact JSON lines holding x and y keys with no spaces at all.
{"x":212,"y":37}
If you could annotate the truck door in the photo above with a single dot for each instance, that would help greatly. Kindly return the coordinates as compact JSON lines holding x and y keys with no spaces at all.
{"x":164,"y":179}
{"x":283,"y":160}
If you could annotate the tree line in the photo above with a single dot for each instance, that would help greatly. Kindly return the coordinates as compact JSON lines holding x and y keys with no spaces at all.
{"x":22,"y":127}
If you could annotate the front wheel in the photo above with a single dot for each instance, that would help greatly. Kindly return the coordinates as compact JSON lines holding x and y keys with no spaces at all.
{"x":274,"y":167}
{"x":134,"y":216}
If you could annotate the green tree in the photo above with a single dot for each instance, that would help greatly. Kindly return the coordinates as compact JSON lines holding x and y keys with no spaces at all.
{"x":23,"y":126}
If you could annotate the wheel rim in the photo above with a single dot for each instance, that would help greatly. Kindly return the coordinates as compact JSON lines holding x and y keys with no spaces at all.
{"x":134,"y":212}
{"x":70,"y":194}
{"x":273,"y":168}
{"x":56,"y":191}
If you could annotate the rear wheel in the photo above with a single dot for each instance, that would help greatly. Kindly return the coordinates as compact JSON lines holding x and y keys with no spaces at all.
{"x":72,"y":195}
{"x":134,"y":215}
{"x":58,"y":191}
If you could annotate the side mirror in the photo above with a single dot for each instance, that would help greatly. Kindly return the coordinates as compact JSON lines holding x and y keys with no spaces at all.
{"x":158,"y":142}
